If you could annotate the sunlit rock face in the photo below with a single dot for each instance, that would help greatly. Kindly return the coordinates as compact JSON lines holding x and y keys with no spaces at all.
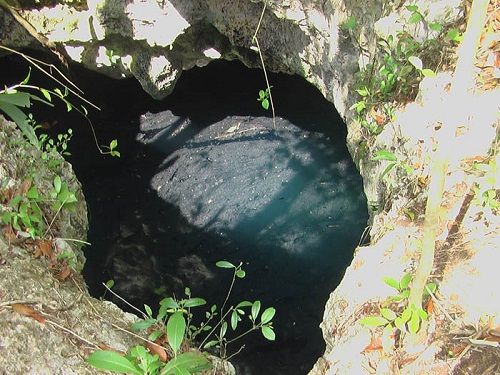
{"x":155,"y":41}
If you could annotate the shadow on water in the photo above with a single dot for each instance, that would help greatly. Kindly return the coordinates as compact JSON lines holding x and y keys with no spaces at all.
{"x":286,"y":201}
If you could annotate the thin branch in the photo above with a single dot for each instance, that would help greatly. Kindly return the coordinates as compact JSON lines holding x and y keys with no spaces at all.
{"x":438,"y":304}
{"x":72,"y":333}
{"x":254,"y":38}
{"x":125,"y":301}
{"x":36,"y":63}
{"x":235,"y":353}
{"x":55,"y":216}
{"x":74,"y":240}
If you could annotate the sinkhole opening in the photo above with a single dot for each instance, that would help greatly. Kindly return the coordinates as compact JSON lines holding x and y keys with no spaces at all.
{"x":204,"y":175}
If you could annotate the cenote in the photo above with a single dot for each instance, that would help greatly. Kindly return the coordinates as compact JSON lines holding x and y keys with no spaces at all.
{"x":204,"y":175}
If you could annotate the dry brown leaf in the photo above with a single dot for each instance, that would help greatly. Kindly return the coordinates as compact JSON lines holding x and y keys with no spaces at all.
{"x":25,"y":310}
{"x":44,"y":248}
{"x":375,"y":344}
{"x":156,"y":349}
{"x":7,"y":194}
{"x":430,"y":306}
{"x":64,"y":273}
{"x":9,"y":234}
{"x":23,"y":188}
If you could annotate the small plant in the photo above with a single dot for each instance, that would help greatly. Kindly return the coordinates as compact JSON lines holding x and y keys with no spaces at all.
{"x":173,"y":326}
{"x":396,"y":67}
{"x":393,"y":162}
{"x":264,"y":97}
{"x":349,"y":24}
{"x":485,"y":188}
{"x":410,"y":318}
{"x":62,"y":196}
{"x":112,"y":148}
{"x":16,"y":99}
{"x":26,"y":215}
{"x":51,"y":147}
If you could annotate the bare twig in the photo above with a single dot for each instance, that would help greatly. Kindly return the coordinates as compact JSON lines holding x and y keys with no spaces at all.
{"x":72,"y":333}
{"x":438,"y":304}
{"x":37,"y":64}
{"x":125,"y":301}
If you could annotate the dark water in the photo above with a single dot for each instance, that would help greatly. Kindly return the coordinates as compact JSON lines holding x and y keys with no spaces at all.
{"x":286,"y":200}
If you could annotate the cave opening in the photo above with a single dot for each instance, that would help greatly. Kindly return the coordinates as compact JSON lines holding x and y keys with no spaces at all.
{"x":204,"y":175}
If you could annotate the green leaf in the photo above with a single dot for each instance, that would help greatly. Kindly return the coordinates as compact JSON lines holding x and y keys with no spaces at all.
{"x":262,"y":95}
{"x":385,"y":155}
{"x":267,"y":315}
{"x":112,"y":361}
{"x":240,"y":274}
{"x":388,"y":314}
{"x":255,"y":310}
{"x":412,"y":8}
{"x":268,"y":333}
{"x":363,"y":91}
{"x":422,"y":313}
{"x":57,"y":184}
{"x":387,"y":169}
{"x":154,"y":335}
{"x":210,"y":344}
{"x":234,"y":320}
{"x":148,"y":310}
{"x":265,"y":104}
{"x":407,"y":168}
{"x":223,"y":329}
{"x":428,"y":73}
{"x":26,"y":80}
{"x":416,"y":62}
{"x":193,"y":302}
{"x":349,"y":24}
{"x":46,"y":94}
{"x":454,"y":35}
{"x":225,"y":264}
{"x":243,"y":304}
{"x":393,"y":283}
{"x":415,"y":17}
{"x":18,"y":98}
{"x":33,"y":193}
{"x":400,"y":324}
{"x":405,"y":281}
{"x":176,"y":327}
{"x":435,"y":26}
{"x":113,"y":144}
{"x":169,"y":302}
{"x":374,"y":321}
{"x":186,"y":363}
{"x":20,"y":118}
{"x":141,"y":325}
{"x":359,"y":106}
{"x":414,"y":323}
{"x":405,"y":293}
